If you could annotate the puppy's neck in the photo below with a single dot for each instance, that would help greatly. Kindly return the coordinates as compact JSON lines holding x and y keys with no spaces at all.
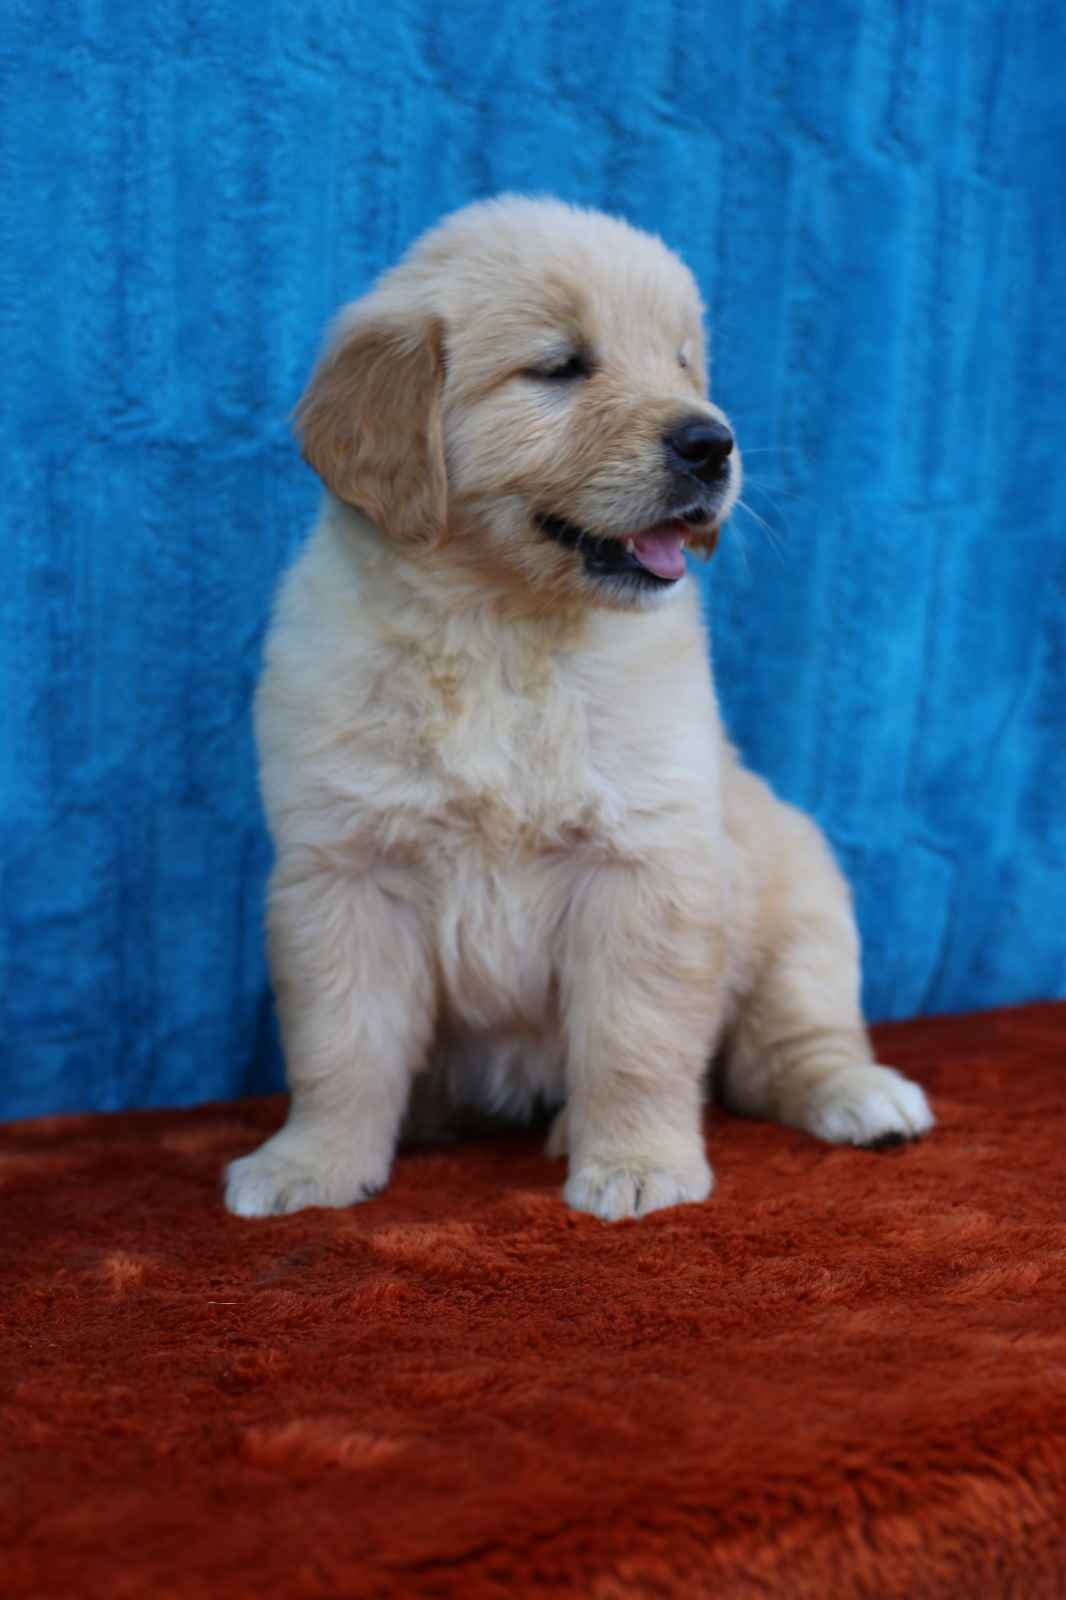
{"x":445,"y":588}
{"x":429,"y":602}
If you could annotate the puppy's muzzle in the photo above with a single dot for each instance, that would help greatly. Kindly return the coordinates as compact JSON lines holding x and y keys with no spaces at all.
{"x":700,"y":447}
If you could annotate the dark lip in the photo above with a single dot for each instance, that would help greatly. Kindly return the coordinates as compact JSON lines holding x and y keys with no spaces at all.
{"x":601,"y":557}
{"x":604,"y":556}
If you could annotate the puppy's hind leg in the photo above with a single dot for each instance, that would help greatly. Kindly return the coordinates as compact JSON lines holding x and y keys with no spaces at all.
{"x":354,"y":986}
{"x":798,"y":1052}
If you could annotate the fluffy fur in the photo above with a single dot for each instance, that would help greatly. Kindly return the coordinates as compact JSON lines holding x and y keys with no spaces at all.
{"x":517,"y":860}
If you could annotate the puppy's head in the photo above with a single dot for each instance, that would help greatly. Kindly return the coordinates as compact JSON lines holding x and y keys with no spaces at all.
{"x":525,"y":396}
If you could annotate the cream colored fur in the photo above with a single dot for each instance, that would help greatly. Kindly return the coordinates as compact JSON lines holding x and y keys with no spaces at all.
{"x":517,"y":859}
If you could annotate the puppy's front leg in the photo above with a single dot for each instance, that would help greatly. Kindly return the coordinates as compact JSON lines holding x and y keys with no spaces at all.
{"x":354,"y":986}
{"x":641,"y":1001}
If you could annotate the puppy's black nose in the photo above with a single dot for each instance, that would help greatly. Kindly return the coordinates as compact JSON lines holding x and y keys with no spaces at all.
{"x":702,"y":446}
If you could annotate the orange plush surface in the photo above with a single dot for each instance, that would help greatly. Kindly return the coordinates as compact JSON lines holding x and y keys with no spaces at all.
{"x":845,"y":1375}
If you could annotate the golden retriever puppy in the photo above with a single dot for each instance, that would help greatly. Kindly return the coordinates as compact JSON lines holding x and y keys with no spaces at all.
{"x":518,"y":863}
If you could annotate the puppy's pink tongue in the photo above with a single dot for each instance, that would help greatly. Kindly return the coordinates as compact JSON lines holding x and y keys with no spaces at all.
{"x":660,"y":551}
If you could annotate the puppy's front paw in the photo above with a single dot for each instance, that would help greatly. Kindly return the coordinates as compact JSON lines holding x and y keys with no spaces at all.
{"x":617,"y":1187}
{"x":866,"y":1104}
{"x":287,"y":1175}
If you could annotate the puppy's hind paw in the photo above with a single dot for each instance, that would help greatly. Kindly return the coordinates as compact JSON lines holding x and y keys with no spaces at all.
{"x":866,"y":1105}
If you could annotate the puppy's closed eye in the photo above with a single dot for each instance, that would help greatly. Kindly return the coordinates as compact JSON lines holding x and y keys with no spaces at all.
{"x":571,"y":368}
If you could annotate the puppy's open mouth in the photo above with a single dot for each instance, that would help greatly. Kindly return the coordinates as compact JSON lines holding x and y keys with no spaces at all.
{"x":654,"y":557}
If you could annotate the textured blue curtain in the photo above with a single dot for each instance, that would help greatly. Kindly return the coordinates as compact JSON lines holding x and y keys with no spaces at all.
{"x":873,"y":196}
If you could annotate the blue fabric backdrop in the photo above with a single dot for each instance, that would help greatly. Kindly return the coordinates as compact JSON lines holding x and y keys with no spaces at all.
{"x":873,"y":197}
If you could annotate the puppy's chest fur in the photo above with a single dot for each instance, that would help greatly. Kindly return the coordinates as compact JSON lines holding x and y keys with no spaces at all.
{"x":510,"y":746}
{"x":483,"y":768}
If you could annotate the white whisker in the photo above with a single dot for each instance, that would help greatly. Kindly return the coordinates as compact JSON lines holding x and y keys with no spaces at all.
{"x":771,"y":495}
{"x":771,"y":536}
{"x":740,"y":544}
{"x":775,"y":488}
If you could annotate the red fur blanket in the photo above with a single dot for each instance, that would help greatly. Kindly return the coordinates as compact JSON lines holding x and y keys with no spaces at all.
{"x":843,"y":1376}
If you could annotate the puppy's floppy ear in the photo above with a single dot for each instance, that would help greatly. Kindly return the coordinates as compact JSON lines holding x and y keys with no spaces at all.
{"x":370,"y":418}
